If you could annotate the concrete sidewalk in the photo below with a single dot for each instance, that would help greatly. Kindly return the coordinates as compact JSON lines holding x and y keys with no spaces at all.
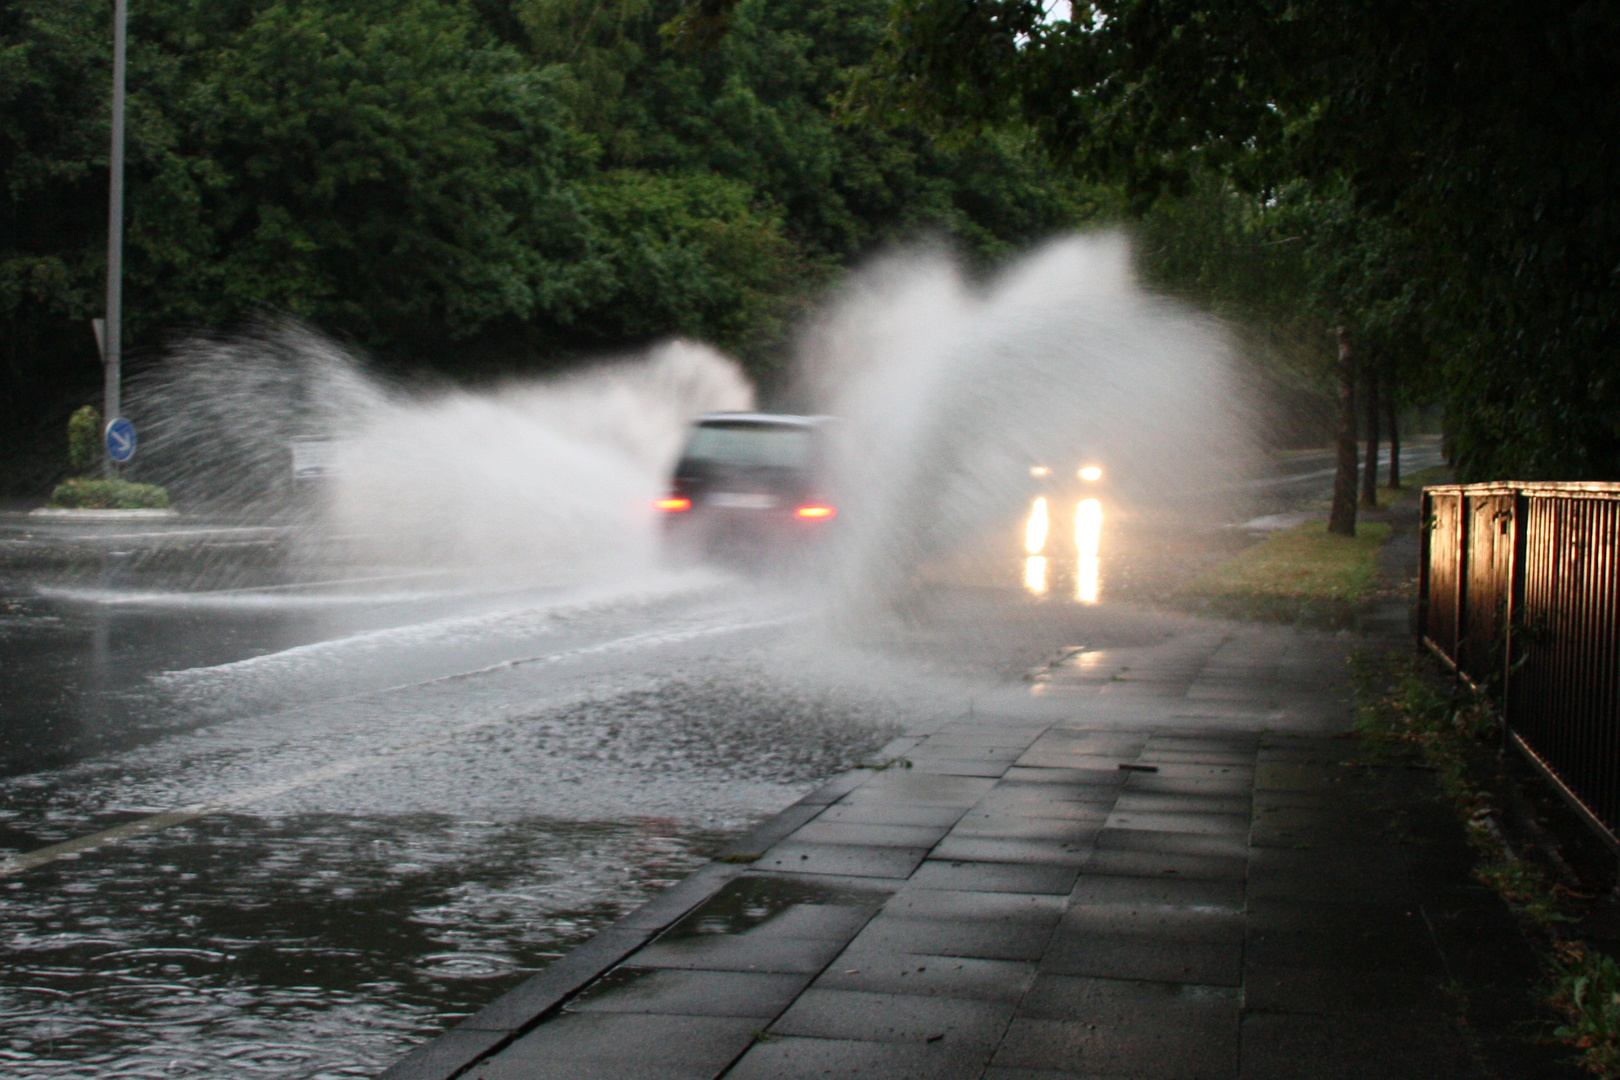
{"x":1160,"y":864}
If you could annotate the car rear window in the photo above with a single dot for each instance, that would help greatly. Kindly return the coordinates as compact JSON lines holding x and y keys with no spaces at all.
{"x":760,"y":445}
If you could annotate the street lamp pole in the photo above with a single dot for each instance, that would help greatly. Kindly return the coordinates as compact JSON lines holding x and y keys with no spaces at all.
{"x":112,"y":358}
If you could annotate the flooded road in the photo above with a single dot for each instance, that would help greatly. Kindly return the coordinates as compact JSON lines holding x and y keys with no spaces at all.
{"x":293,"y":828}
{"x":269,"y":817}
{"x":302,"y":860}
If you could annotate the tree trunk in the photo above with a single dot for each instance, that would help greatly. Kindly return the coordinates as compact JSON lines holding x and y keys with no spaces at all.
{"x":1342,"y":518}
{"x":1369,"y":472}
{"x":1390,"y":412}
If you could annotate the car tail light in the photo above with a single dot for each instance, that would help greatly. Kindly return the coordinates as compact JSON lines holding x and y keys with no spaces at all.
{"x":814,"y":512}
{"x":673,"y":505}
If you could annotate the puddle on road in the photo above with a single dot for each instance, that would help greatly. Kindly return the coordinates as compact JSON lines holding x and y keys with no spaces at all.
{"x":349,"y":920}
{"x":304,"y":946}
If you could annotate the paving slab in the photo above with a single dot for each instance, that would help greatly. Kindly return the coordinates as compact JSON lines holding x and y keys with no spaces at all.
{"x":1140,"y":957}
{"x":1067,"y":776}
{"x":1289,"y":1046}
{"x":1049,"y":800}
{"x":966,"y":977}
{"x":1161,"y":803}
{"x":1164,"y":924}
{"x":905,"y":787}
{"x":851,"y":860}
{"x":956,"y":766}
{"x":927,"y":903}
{"x":890,"y":1017}
{"x":997,"y":876}
{"x":1235,"y":904}
{"x":691,"y":993}
{"x":879,"y":813}
{"x":1011,"y":849}
{"x":1124,"y":1028}
{"x":805,"y":956}
{"x":1343,"y":993}
{"x":1181,"y":821}
{"x":870,"y":834}
{"x":788,"y":1058}
{"x":1137,"y":892}
{"x":623,"y":1046}
{"x":984,"y":940}
{"x":1033,"y":820}
{"x":1164,"y":841}
{"x":1185,"y":867}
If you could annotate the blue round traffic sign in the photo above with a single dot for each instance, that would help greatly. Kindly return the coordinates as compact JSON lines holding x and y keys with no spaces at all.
{"x":120,"y":440}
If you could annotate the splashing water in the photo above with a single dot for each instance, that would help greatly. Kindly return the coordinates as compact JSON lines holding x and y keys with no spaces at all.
{"x":552,"y":475}
{"x":535,"y":478}
{"x":217,"y":416}
{"x":952,"y":395}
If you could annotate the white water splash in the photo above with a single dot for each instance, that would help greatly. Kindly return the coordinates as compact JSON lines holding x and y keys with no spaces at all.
{"x":950,"y":392}
{"x":551,"y":478}
{"x":533,"y":480}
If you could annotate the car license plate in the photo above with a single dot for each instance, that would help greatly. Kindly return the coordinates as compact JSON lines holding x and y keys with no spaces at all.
{"x":742,"y":500}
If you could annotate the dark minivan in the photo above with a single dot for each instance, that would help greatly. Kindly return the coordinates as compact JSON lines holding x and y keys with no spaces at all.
{"x":749,"y":484}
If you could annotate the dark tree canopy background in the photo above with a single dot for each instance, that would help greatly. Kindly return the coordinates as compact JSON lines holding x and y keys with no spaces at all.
{"x":468,"y":185}
{"x":495,"y":185}
{"x":1440,"y":178}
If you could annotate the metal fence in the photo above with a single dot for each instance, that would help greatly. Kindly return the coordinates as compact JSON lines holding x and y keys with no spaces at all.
{"x":1520,"y":591}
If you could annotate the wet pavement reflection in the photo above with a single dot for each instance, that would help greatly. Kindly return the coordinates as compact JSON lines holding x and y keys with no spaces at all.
{"x":417,"y":800}
{"x":1078,"y":577}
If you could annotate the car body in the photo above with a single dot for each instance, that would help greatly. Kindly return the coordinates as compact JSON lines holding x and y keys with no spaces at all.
{"x":749,"y":486}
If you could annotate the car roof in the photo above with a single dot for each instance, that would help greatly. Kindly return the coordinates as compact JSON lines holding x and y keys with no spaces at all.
{"x":783,"y":419}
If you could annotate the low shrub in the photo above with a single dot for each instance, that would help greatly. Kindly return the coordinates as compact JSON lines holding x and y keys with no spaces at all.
{"x":1587,"y":993}
{"x":84,"y":440}
{"x":82,"y":493}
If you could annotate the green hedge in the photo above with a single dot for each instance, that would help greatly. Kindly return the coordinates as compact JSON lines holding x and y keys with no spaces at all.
{"x":85,"y":494}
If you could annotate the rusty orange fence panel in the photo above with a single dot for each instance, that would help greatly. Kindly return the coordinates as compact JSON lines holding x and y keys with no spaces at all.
{"x":1520,"y":591}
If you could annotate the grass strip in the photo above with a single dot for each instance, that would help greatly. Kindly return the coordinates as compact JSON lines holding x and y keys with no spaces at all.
{"x":1300,"y":575}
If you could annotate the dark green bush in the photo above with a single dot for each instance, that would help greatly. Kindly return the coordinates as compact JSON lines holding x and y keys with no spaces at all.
{"x":84,"y":440}
{"x":113,"y":494}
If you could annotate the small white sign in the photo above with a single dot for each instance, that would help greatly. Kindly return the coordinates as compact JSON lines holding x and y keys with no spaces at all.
{"x":313,"y":459}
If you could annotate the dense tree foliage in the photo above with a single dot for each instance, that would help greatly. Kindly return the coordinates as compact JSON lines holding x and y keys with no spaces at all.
{"x":1440,"y":177}
{"x":460,"y":182}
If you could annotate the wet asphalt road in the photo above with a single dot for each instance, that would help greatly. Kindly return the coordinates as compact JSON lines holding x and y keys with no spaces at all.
{"x":324,"y":823}
{"x":382,"y":821}
{"x":327,"y":819}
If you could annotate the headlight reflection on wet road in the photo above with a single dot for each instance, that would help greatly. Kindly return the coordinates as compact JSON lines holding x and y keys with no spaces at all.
{"x":1035,"y":528}
{"x":1088,"y":523}
{"x":1035,"y":574}
{"x":1088,"y":519}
